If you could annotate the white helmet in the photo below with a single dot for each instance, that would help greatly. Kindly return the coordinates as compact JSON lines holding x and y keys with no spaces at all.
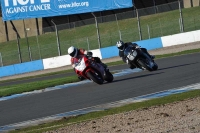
{"x":120,"y":45}
{"x":72,"y":51}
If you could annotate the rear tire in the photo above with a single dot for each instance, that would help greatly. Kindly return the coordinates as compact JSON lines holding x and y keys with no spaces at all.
{"x":95,"y":78}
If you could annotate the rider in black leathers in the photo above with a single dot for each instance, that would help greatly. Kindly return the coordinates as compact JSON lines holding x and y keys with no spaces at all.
{"x":122,"y":46}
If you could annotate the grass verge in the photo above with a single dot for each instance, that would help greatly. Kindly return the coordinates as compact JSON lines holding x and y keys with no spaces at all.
{"x":39,"y":85}
{"x":95,"y":115}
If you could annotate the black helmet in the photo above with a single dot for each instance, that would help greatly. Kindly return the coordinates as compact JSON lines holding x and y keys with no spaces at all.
{"x":120,"y":45}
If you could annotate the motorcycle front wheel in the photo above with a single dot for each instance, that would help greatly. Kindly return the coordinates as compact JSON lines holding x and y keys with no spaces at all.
{"x":95,"y":77}
{"x":108,"y":77}
{"x":155,"y":67}
{"x":145,"y":64}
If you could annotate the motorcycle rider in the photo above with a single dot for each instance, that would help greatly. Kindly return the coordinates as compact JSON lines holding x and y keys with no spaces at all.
{"x":76,"y":53}
{"x":122,"y":46}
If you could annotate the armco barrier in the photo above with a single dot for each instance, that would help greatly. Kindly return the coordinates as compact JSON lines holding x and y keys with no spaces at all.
{"x":64,"y":60}
{"x":151,"y":44}
{"x":109,"y":52}
{"x":183,"y":38}
{"x":56,"y":62}
{"x":21,"y":68}
{"x":7,"y":71}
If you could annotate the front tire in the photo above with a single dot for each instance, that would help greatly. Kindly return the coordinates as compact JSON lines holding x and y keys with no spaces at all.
{"x":145,"y":64}
{"x":95,"y":78}
{"x":108,"y":77}
{"x":155,"y":67}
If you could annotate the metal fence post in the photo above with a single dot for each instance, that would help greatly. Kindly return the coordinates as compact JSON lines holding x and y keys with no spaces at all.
{"x":30,"y":53}
{"x":154,"y":4}
{"x":118,"y":26}
{"x":181,"y":17}
{"x":97,"y":27}
{"x":88,"y":43}
{"x":139,"y":26}
{"x":38,"y":47}
{"x":25,"y":31}
{"x":160,"y":27}
{"x":148,"y":31}
{"x":19,"y":50}
{"x":120,"y":35}
{"x":179,"y":21}
{"x":18,"y":46}
{"x":6,"y":30}
{"x":1,"y":60}
{"x":57,"y":36}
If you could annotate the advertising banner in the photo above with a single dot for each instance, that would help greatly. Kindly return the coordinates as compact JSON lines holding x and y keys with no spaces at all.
{"x":25,"y":9}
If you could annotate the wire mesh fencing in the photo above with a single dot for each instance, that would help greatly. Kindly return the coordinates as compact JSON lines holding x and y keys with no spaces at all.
{"x":100,"y":32}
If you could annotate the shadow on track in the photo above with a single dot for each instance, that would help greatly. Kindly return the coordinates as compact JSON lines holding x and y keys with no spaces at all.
{"x":177,"y":66}
{"x":141,"y":76}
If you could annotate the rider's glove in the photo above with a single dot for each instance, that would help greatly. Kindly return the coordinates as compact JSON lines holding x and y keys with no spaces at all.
{"x":137,"y":46}
{"x":127,"y":61}
{"x":89,"y":54}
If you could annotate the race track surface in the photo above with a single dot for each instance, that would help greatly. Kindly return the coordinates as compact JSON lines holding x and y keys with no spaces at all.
{"x":173,"y":72}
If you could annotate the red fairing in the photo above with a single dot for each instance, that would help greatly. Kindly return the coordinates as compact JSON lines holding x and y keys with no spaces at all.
{"x":86,"y":67}
{"x":80,"y":54}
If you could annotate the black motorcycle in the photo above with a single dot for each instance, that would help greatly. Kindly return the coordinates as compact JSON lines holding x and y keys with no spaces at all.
{"x":140,"y":59}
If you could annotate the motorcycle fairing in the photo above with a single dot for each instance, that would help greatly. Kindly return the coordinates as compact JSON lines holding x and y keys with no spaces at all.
{"x":131,"y":55}
{"x":83,"y":63}
{"x":80,"y":65}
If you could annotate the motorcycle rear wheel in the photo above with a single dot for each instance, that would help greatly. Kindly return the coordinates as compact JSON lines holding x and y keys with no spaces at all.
{"x":95,"y":78}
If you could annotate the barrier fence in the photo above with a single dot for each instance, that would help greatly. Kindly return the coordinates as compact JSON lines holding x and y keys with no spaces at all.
{"x":99,"y":32}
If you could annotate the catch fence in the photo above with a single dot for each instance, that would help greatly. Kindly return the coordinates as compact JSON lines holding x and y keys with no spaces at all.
{"x":100,"y":32}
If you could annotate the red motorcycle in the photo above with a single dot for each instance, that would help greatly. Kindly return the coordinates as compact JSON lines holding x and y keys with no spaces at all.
{"x":89,"y":69}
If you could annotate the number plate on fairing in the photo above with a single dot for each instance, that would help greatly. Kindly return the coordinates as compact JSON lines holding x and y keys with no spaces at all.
{"x":132,"y":55}
{"x":81,"y":65}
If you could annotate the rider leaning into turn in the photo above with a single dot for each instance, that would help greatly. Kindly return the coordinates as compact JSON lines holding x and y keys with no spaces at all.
{"x":122,"y":46}
{"x":76,"y":53}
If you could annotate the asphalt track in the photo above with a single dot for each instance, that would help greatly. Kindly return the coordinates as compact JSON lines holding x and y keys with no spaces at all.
{"x":173,"y":72}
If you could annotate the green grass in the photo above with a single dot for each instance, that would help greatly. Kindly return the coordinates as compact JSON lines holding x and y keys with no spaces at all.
{"x":96,"y":115}
{"x":27,"y":87}
{"x":39,"y":85}
{"x":41,"y":75}
{"x":45,"y":46}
